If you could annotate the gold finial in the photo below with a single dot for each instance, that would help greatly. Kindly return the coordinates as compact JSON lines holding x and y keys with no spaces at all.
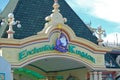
{"x":56,"y":6}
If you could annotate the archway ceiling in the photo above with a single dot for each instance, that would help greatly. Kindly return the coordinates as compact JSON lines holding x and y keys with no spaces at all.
{"x":57,"y":64}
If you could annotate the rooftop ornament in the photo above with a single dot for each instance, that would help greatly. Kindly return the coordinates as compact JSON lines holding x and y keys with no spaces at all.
{"x":10,"y":22}
{"x":99,"y":31}
{"x":56,"y":6}
{"x":55,"y":19}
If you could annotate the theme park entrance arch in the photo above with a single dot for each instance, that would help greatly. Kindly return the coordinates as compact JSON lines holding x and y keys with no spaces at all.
{"x":54,"y":67}
{"x":54,"y":54}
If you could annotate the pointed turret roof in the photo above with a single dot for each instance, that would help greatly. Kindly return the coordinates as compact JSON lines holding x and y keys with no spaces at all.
{"x":32,"y":15}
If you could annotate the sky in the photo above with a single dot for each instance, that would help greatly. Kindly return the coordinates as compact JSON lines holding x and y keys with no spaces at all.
{"x":3,"y":3}
{"x":104,"y":13}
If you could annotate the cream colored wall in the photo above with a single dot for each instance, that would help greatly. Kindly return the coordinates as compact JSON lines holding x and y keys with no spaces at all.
{"x":10,"y":49}
{"x":13,"y":47}
{"x":80,"y":74}
{"x":10,"y":55}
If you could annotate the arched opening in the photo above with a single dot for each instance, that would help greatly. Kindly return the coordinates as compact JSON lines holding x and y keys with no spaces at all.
{"x":54,"y":67}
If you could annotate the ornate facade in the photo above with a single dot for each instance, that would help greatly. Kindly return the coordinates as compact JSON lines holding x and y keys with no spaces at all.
{"x":61,"y":49}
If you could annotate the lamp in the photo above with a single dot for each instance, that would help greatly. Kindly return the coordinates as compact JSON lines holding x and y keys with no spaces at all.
{"x":11,"y":22}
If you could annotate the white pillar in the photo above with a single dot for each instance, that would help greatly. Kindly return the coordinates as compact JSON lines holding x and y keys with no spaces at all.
{"x":12,"y":74}
{"x":0,"y":52}
{"x":10,"y":32}
{"x":91,"y":75}
{"x":95,"y":76}
{"x":99,"y":75}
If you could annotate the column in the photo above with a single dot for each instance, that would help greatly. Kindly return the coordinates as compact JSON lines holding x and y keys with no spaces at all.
{"x":95,"y":76}
{"x":0,"y":52}
{"x":99,"y":75}
{"x":91,"y":75}
{"x":12,"y":74}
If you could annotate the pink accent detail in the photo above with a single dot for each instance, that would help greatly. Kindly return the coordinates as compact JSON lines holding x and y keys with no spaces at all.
{"x":10,"y":32}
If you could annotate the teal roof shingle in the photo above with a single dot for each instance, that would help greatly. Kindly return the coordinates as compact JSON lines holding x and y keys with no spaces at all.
{"x":32,"y":15}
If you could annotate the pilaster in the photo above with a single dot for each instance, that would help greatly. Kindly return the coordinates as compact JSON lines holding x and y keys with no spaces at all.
{"x":99,"y":75}
{"x":95,"y":75}
{"x":12,"y":74}
{"x":91,"y":75}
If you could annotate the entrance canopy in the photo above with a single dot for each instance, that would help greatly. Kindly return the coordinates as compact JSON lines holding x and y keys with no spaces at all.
{"x":57,"y":63}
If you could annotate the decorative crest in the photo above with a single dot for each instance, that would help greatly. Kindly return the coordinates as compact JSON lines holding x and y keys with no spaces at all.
{"x":56,"y":17}
{"x":61,"y":43}
{"x":56,"y":6}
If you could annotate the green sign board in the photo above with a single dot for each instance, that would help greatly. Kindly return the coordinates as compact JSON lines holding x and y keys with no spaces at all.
{"x":71,"y":48}
{"x":35,"y":50}
{"x":81,"y":53}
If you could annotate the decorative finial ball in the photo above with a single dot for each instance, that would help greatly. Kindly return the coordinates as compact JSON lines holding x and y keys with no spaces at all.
{"x":48,"y":18}
{"x":19,"y":26}
{"x":10,"y":15}
{"x":65,"y":19}
{"x":56,"y":1}
{"x":2,"y":23}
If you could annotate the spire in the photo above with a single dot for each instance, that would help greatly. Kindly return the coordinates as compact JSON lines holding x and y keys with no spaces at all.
{"x":56,"y":6}
{"x":55,"y":18}
{"x":55,"y":1}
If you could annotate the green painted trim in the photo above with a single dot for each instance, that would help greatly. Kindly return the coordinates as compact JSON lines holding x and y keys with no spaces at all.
{"x":29,"y":73}
{"x":59,"y":77}
{"x":68,"y":69}
{"x":25,"y":53}
{"x":71,"y":49}
{"x":38,"y":68}
{"x":33,"y":74}
{"x":55,"y":71}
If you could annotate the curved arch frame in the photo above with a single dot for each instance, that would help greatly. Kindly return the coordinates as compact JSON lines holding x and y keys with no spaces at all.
{"x":54,"y":55}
